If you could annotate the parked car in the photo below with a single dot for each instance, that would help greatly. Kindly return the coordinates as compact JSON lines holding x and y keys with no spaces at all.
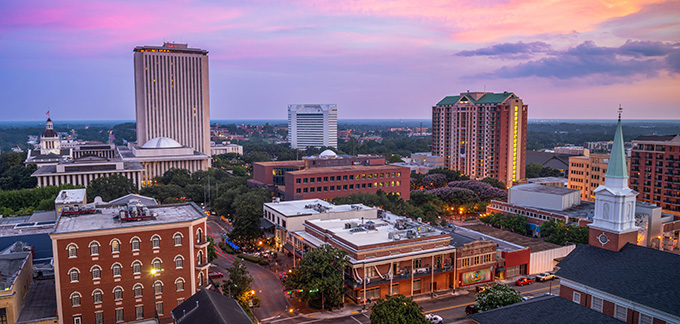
{"x":523,"y":281}
{"x":545,"y":276}
{"x":434,"y":318}
{"x":215,"y":274}
{"x":283,"y":276}
{"x":471,"y":309}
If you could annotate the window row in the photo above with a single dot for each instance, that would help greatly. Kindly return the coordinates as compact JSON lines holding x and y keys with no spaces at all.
{"x":115,"y":244}
{"x":117,"y":268}
{"x":119,"y":315}
{"x":348,"y":187}
{"x":137,"y":291}
{"x":350,"y":177}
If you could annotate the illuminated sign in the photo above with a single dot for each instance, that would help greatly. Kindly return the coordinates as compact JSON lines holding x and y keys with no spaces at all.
{"x":473,"y":277}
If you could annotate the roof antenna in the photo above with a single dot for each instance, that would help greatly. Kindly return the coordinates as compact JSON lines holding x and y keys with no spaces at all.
{"x":620,"y":111}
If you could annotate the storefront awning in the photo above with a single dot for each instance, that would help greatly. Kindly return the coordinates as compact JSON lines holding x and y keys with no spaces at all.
{"x":500,"y":270}
{"x":266,"y":224}
{"x":289,"y":247}
{"x":268,"y":235}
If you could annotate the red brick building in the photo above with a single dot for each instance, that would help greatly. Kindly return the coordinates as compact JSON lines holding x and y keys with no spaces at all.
{"x":655,"y":170}
{"x":128,"y":262}
{"x":482,"y":134}
{"x":328,"y":176}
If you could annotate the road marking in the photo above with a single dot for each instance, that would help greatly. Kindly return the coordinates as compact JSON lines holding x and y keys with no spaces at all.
{"x":461,"y":305}
{"x":358,"y":321}
{"x":286,"y":318}
{"x":366,"y":316}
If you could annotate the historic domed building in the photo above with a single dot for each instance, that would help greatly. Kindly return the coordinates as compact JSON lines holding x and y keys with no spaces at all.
{"x":50,"y":152}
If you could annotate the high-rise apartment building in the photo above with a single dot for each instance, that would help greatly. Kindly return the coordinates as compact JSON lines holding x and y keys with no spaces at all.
{"x":482,"y":134}
{"x":312,"y":125}
{"x":655,"y":170}
{"x":587,"y":172}
{"x":172,"y":97}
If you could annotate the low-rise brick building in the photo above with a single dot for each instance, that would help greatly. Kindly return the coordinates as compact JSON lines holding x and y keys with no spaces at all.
{"x":128,"y":262}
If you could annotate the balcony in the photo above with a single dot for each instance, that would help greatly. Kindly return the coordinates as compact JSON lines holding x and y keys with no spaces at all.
{"x":201,"y":244}
{"x":202,"y":266}
{"x":403,"y":275}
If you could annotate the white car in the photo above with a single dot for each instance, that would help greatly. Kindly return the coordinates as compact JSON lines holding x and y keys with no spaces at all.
{"x":434,"y":318}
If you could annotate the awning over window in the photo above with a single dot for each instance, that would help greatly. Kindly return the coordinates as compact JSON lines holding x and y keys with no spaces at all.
{"x":289,"y":247}
{"x":266,"y":224}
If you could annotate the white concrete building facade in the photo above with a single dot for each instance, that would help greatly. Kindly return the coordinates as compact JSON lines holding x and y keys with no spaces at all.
{"x":313,"y":125}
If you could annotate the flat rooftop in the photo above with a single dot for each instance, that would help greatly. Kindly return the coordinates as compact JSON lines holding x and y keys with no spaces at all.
{"x":10,"y":265}
{"x":40,"y":302}
{"x":70,"y":196}
{"x":311,"y":207}
{"x":384,"y":232}
{"x":584,"y":210}
{"x":296,"y":163}
{"x":536,"y":244}
{"x":534,"y":187}
{"x":547,"y":179}
{"x":108,"y":218}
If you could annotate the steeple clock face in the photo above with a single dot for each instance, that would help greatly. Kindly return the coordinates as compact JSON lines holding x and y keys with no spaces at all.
{"x":603,"y":238}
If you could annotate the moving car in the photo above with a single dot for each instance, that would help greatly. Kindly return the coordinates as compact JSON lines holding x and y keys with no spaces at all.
{"x":215,"y":274}
{"x":434,"y":318}
{"x":470,"y":309}
{"x":545,"y":276}
{"x":523,"y":281}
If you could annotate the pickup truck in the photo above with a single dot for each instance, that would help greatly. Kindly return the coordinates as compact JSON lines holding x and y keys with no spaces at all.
{"x":545,"y":276}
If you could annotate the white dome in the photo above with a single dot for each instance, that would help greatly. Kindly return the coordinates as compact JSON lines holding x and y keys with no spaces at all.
{"x":161,"y":142}
{"x":328,"y":154}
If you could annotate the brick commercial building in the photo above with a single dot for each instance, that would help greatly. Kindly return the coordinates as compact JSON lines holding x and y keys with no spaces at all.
{"x":128,"y":262}
{"x":328,"y":176}
{"x":587,"y":172}
{"x":393,"y":255}
{"x":655,"y":170}
{"x":482,"y":134}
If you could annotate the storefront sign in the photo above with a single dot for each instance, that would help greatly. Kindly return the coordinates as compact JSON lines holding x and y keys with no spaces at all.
{"x":474,"y":277}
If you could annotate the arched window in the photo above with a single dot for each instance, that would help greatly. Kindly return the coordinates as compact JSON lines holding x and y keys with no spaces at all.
{"x":97,"y":296}
{"x":179,"y":262}
{"x":136,"y":267}
{"x":72,"y":250}
{"x":134,"y":242}
{"x":116,"y":267}
{"x":179,"y":284}
{"x":200,"y":279}
{"x":118,"y":293}
{"x":94,"y":248}
{"x":75,"y":299}
{"x":138,"y":288}
{"x":74,"y":274}
{"x":115,"y":246}
{"x":156,"y":241}
{"x":178,"y":239}
{"x":96,"y":272}
{"x":200,"y":257}
{"x":158,"y":287}
{"x":199,"y":236}
{"x":157,"y":264}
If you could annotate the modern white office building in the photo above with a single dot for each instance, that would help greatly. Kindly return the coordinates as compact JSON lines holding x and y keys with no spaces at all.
{"x":172,"y":97}
{"x":313,"y":125}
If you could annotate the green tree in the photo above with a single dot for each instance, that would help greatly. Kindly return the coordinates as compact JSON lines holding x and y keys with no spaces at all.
{"x":451,"y":175}
{"x":13,"y":174}
{"x":247,"y":212}
{"x":237,"y":286}
{"x":212,"y":254}
{"x":394,"y":158}
{"x":496,"y":296}
{"x":534,"y":170}
{"x":179,"y":177}
{"x":320,"y":276}
{"x":495,"y":183}
{"x":110,"y":188}
{"x":397,"y":310}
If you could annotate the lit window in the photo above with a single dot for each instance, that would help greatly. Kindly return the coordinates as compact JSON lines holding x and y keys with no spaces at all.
{"x":115,"y":246}
{"x":72,"y":251}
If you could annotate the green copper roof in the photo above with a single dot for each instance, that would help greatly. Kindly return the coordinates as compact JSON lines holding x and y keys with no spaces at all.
{"x":487,"y":98}
{"x":617,"y":160}
{"x":450,"y":100}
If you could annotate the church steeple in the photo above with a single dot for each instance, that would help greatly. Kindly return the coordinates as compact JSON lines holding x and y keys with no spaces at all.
{"x":614,"y":222}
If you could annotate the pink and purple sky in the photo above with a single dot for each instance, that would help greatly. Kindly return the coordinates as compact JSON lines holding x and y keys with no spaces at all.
{"x":375,"y":59}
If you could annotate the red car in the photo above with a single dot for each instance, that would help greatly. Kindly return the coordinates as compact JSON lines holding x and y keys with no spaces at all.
{"x":523,"y":281}
{"x":215,"y":274}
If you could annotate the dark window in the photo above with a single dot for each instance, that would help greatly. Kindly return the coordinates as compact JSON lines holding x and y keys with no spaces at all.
{"x":344,"y":178}
{"x":370,"y":185}
{"x":325,"y":179}
{"x":351,"y":177}
{"x":298,"y":180}
{"x":351,"y":187}
{"x":311,"y":180}
{"x":298,"y":190}
{"x":363,"y":185}
{"x":311,"y":189}
{"x":333,"y":178}
{"x":305,"y":180}
{"x":332,"y":188}
{"x":337,"y":188}
{"x":318,"y":179}
{"x":344,"y":187}
{"x":305,"y":190}
{"x":325,"y":188}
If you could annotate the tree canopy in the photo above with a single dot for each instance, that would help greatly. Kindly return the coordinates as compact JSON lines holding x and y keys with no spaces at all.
{"x":320,"y":276}
{"x":13,"y":174}
{"x":110,"y":188}
{"x":559,"y":233}
{"x":397,"y":310}
{"x":237,"y":286}
{"x":247,"y":213}
{"x":496,"y":296}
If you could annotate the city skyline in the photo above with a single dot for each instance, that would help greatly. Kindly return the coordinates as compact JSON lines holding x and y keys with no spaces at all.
{"x":568,"y":60}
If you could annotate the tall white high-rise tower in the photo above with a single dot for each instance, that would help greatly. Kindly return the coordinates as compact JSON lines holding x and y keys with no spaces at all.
{"x":172,"y":97}
{"x":312,"y":125}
